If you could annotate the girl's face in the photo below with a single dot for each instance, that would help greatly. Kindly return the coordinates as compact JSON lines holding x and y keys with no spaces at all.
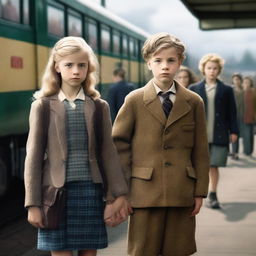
{"x":73,"y":69}
{"x":211,"y":70}
{"x":246,"y":84}
{"x":183,"y":78}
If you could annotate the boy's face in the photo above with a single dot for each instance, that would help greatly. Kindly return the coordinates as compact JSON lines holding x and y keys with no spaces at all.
{"x":164,"y":66}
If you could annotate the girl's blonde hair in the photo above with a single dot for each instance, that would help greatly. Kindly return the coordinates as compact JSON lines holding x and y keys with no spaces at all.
{"x":51,"y":80}
{"x":213,"y":58}
{"x":160,"y":41}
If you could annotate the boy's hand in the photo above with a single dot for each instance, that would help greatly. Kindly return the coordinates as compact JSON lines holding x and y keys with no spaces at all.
{"x":35,"y":217}
{"x":198,"y":205}
{"x":117,"y":212}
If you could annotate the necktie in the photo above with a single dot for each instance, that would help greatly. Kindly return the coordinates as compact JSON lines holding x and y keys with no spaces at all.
{"x":167,"y":103}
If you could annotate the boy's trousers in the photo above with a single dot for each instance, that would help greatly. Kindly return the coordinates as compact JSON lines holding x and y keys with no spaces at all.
{"x":167,"y":231}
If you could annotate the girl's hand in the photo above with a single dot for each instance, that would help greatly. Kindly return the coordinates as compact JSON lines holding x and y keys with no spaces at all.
{"x":117,"y":212}
{"x":198,"y":204}
{"x":35,"y":217}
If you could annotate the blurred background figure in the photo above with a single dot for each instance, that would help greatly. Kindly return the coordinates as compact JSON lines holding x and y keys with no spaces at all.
{"x":185,"y":76}
{"x":237,"y":80}
{"x":221,"y":118}
{"x":249,"y":115}
{"x":118,"y":91}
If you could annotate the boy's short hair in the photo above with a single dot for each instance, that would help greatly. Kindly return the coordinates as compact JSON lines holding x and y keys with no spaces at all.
{"x":161,"y":41}
{"x":120,"y":72}
{"x":213,"y":57}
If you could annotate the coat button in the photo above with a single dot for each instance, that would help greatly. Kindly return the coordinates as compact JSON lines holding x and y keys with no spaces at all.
{"x":166,"y":147}
{"x":167,"y":164}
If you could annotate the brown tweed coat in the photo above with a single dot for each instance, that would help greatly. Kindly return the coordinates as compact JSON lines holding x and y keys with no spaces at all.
{"x":166,"y":161}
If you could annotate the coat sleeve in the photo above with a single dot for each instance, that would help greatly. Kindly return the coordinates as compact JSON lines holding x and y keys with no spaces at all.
{"x":123,"y":129}
{"x":34,"y":156}
{"x":200,"y":152}
{"x":117,"y":185}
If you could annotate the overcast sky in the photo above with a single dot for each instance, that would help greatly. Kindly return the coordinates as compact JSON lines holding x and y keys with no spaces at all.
{"x":173,"y":17}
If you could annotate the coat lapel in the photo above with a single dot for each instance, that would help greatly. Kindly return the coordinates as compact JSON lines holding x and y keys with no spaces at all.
{"x":60,"y":124}
{"x":152,"y":103}
{"x":180,"y":107}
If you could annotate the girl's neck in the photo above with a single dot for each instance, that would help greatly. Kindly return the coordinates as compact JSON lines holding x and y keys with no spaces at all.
{"x":70,"y":92}
{"x":210,"y":82}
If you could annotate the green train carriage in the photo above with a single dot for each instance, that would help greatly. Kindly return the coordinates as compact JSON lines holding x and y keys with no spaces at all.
{"x":28,"y":30}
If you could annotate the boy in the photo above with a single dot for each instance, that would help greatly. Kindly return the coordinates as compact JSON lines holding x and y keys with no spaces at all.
{"x":163,"y":147}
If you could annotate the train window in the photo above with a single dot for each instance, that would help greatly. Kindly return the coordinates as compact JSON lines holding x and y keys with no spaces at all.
{"x":10,"y":10}
{"x":131,"y":47}
{"x":125,"y":45}
{"x":136,"y":48}
{"x":74,"y":26}
{"x":92,"y":34}
{"x":55,"y":21}
{"x":116,"y":42}
{"x":26,"y":12}
{"x":105,"y":39}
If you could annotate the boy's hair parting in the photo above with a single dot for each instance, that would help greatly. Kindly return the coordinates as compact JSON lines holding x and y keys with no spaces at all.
{"x":161,"y":41}
{"x":51,"y":80}
{"x":237,"y":75}
{"x":212,"y":57}
{"x":120,"y":72}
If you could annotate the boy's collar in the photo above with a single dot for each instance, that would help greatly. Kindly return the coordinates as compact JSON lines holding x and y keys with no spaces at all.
{"x":171,"y":89}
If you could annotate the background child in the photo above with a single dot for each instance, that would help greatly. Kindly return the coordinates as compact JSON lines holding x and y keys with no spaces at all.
{"x":237,"y":80}
{"x":69,"y":158}
{"x":185,"y":76}
{"x":160,"y":134}
{"x":221,"y":118}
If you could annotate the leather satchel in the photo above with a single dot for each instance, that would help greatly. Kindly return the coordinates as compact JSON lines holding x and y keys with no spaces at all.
{"x":53,"y":206}
{"x":53,"y":199}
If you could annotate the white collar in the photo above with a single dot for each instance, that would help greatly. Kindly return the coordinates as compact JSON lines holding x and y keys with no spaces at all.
{"x":79,"y":96}
{"x":171,"y":89}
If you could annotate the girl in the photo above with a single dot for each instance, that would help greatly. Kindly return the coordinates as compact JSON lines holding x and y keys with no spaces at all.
{"x":221,"y":118}
{"x":185,"y":76}
{"x":69,"y":157}
{"x":249,"y":115}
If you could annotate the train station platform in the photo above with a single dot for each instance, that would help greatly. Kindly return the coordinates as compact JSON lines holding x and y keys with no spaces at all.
{"x":225,"y":232}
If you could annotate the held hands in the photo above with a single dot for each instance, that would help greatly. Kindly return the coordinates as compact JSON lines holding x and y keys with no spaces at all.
{"x":117,"y":211}
{"x":35,"y":217}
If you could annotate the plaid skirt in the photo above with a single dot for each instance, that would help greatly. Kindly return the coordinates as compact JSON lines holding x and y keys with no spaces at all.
{"x":83,"y":225}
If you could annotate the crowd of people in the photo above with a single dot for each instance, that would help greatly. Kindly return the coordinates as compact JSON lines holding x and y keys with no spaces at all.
{"x":169,"y":139}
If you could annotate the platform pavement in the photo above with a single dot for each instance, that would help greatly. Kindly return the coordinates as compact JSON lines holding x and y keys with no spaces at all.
{"x":225,"y":232}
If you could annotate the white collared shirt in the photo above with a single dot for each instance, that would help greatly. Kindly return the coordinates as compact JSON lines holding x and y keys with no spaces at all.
{"x":172,"y":89}
{"x":79,"y":96}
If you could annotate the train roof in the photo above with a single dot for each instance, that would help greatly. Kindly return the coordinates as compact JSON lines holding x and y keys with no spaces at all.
{"x":113,"y":17}
{"x":219,"y":14}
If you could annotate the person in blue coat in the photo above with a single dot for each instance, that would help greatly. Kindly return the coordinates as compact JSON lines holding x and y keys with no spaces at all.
{"x":221,"y":115}
{"x":118,"y":91}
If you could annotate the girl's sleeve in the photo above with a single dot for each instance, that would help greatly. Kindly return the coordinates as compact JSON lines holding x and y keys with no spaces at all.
{"x":34,"y":156}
